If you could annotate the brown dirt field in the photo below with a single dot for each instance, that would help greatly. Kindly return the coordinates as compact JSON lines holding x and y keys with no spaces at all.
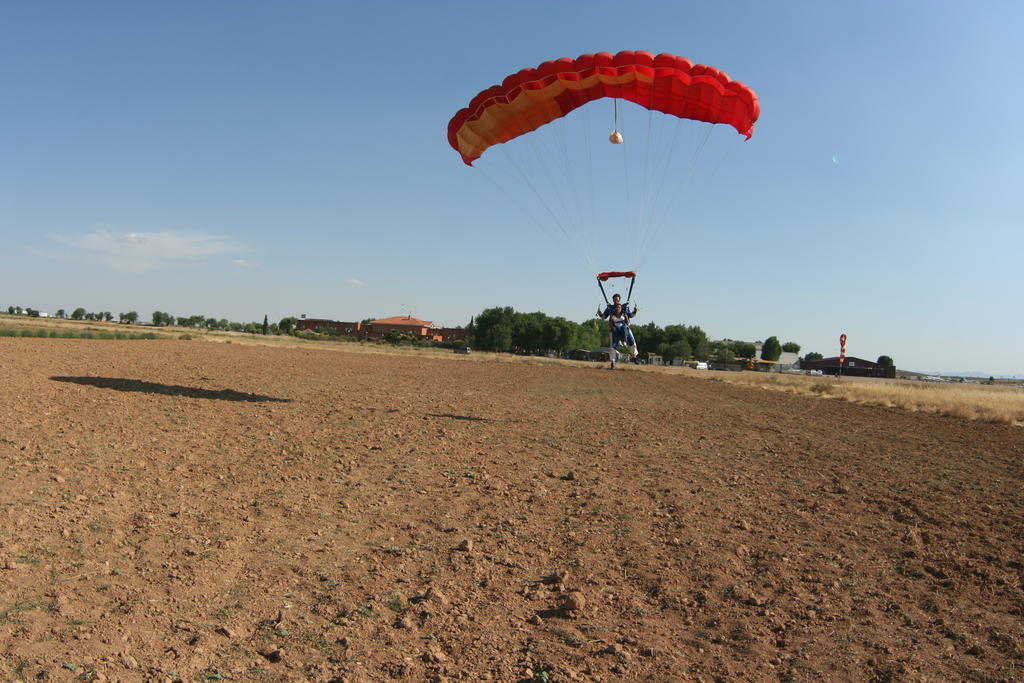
{"x":198,"y":511}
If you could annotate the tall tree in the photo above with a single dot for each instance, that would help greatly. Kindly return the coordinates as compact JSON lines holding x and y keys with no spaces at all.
{"x":674,"y":333}
{"x":494,"y":329}
{"x":744,"y":349}
{"x":591,"y":334}
{"x":886,"y":361}
{"x":669,"y":351}
{"x":648,"y":336}
{"x":725,"y":353}
{"x":698,"y":340}
{"x":771,"y":349}
{"x":528,"y":330}
{"x":791,"y":347}
{"x":287,"y":325}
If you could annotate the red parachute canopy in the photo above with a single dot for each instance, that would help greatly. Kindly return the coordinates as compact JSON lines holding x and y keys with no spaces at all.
{"x":527,"y":100}
{"x":603,"y":277}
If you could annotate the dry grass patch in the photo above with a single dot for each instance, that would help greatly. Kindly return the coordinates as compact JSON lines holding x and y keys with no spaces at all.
{"x":989,"y":403}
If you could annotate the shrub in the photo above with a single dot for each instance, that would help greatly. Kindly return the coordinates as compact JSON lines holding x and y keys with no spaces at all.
{"x":71,"y":334}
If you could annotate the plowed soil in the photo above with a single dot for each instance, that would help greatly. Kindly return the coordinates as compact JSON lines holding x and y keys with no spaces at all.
{"x":197,"y":511}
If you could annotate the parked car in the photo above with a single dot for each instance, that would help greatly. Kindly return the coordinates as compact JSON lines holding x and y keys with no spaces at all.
{"x":462,"y":349}
{"x":701,"y":366}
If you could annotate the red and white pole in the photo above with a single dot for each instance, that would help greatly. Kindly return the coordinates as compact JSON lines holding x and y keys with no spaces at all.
{"x":842,"y":352}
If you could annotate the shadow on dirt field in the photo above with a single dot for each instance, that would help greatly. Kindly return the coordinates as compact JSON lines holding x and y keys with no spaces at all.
{"x":121,"y":384}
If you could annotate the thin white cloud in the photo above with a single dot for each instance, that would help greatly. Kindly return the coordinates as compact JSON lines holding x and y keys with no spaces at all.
{"x":242,"y":263}
{"x":137,"y":252}
{"x":355,"y":282}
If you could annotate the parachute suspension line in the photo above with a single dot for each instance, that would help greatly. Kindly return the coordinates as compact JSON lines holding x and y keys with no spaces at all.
{"x":574,"y":194}
{"x":616,"y":136}
{"x":725,"y":157}
{"x":659,"y":221}
{"x":529,"y":183}
{"x":538,"y":154}
{"x":601,"y":285}
{"x":697,"y":152}
{"x":539,"y":223}
{"x":646,"y":243}
{"x":625,"y":176}
{"x":646,"y":194}
{"x":586,"y":132}
{"x":558,"y":168}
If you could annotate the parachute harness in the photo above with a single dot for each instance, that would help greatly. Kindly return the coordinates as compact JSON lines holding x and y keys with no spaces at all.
{"x":602,"y":277}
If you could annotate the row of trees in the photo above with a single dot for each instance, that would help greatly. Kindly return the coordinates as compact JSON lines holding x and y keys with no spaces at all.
{"x":504,"y":329}
{"x":161,"y":319}
{"x":77,"y":314}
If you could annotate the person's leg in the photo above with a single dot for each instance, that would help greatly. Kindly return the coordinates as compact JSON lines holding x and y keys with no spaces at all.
{"x":631,"y":344}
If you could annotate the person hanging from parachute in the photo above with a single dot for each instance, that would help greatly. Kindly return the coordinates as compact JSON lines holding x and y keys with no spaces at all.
{"x":621,"y":334}
{"x":531,"y":98}
{"x":618,"y":315}
{"x":616,"y":300}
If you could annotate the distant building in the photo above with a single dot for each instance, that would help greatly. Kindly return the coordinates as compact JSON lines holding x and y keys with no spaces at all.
{"x":787,"y":359}
{"x":854,"y":367}
{"x":339,"y":328}
{"x":378,"y":329}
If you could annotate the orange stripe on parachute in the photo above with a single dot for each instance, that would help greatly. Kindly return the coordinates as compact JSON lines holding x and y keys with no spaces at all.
{"x":527,"y":100}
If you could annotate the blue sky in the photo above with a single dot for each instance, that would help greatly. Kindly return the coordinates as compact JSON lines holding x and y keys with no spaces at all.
{"x":236,"y":159}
